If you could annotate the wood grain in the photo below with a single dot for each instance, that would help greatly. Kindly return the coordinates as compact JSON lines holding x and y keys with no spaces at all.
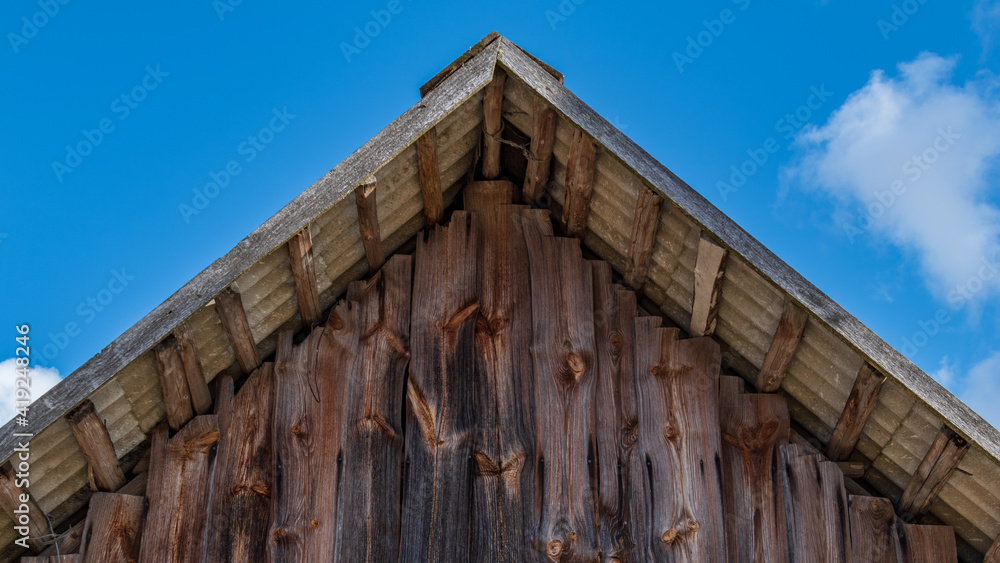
{"x":543,"y":133}
{"x":429,"y":176}
{"x":640,"y":245}
{"x":492,"y":125}
{"x":709,"y":269}
{"x":13,"y":504}
{"x":95,"y":443}
{"x":229,"y":307}
{"x":113,"y":528}
{"x":815,"y":507}
{"x":873,"y":530}
{"x":579,"y":184}
{"x":784,"y":344}
{"x":365,"y":200}
{"x":860,"y":404}
{"x":300,"y":256}
{"x":173,"y":382}
{"x":201,"y":396}
{"x":933,"y":472}
{"x":928,"y":543}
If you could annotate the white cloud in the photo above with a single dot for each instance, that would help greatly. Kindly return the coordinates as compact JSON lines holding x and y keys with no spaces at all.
{"x":986,"y":21}
{"x":945,"y":374}
{"x":933,"y":142}
{"x":981,"y":389}
{"x":42,"y":379}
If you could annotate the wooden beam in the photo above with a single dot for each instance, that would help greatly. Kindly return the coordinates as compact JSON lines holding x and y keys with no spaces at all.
{"x":860,"y":404}
{"x":543,"y":133}
{"x":201,"y":396}
{"x":364,"y":197}
{"x":579,"y":184}
{"x":229,"y":306}
{"x":933,"y":472}
{"x":709,"y":269}
{"x":640,"y":246}
{"x":67,"y":542}
{"x":95,"y":442}
{"x":300,"y":254}
{"x":852,"y":469}
{"x":173,"y":381}
{"x":113,"y":528}
{"x":493,"y":125}
{"x":20,"y":506}
{"x":993,"y":554}
{"x":457,"y":63}
{"x":429,"y":173}
{"x":785,"y":342}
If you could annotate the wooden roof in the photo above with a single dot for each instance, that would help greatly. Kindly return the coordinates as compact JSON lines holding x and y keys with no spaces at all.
{"x":849,"y":393}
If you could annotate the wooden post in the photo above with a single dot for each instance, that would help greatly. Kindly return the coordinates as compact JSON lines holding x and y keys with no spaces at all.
{"x":229,"y":306}
{"x":364,"y":197}
{"x":543,"y":133}
{"x":709,"y":270}
{"x":429,"y":174}
{"x":933,"y":472}
{"x":12,"y":497}
{"x":173,"y":381}
{"x":493,"y":125}
{"x":859,"y":407}
{"x":95,"y":442}
{"x":579,"y":184}
{"x":640,"y":246}
{"x":113,"y":528}
{"x":300,"y":255}
{"x":784,"y":344}
{"x":201,"y":396}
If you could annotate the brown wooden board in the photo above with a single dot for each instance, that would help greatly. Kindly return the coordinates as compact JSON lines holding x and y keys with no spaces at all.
{"x":96,"y":445}
{"x":815,"y":507}
{"x":113,"y":528}
{"x":873,"y":530}
{"x":920,"y":544}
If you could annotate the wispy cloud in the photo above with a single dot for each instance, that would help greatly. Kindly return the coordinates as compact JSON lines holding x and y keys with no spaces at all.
{"x":980,"y":388}
{"x":42,"y":379}
{"x":909,"y":158}
{"x":986,"y":21}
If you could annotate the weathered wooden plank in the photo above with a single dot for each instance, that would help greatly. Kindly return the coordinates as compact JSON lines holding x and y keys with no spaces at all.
{"x":933,"y":472}
{"x":920,"y":544}
{"x":784,"y":344}
{"x":709,"y":269}
{"x":229,"y":307}
{"x":369,"y":501}
{"x":993,"y":554}
{"x":67,"y":542}
{"x":852,"y":469}
{"x":440,"y":395}
{"x":173,"y":381}
{"x":178,"y":486}
{"x":371,"y":237}
{"x":563,"y":356}
{"x":96,"y":445}
{"x":615,"y":414}
{"x":752,"y":426}
{"x":815,"y":507}
{"x":300,"y":254}
{"x":19,"y":504}
{"x":113,"y":528}
{"x":873,"y":530}
{"x":457,"y":63}
{"x":579,"y":184}
{"x":493,"y":125}
{"x":860,"y":404}
{"x":678,"y":507}
{"x":243,"y":480}
{"x":201,"y":396}
{"x":74,"y":558}
{"x":429,"y":175}
{"x":137,"y":486}
{"x":543,"y":134}
{"x":503,"y":515}
{"x":640,"y":245}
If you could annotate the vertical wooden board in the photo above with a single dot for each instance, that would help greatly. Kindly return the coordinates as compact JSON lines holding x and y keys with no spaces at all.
{"x":301,"y":261}
{"x":370,"y":490}
{"x":201,"y":397}
{"x":615,"y":416}
{"x":492,"y":125}
{"x":927,"y":543}
{"x":113,"y":527}
{"x":753,"y":426}
{"x":873,"y":530}
{"x":240,"y":505}
{"x":815,"y":507}
{"x":179,"y":473}
{"x":543,"y":132}
{"x":504,"y":488}
{"x":679,"y":504}
{"x":563,"y":355}
{"x":440,"y":395}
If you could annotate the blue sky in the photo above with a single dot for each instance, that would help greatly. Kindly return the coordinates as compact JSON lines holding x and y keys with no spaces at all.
{"x":857,"y":140}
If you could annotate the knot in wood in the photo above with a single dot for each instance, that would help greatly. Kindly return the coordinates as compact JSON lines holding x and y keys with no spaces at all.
{"x":616,"y":342}
{"x":630,"y":435}
{"x":314,"y":523}
{"x":669,"y":536}
{"x":555,"y":548}
{"x":576,"y":365}
{"x":279,"y":534}
{"x":671,"y":433}
{"x":335,"y":322}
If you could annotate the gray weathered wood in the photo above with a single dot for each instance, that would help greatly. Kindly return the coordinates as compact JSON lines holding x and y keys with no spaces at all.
{"x":640,"y":246}
{"x":96,"y":445}
{"x":113,"y":528}
{"x":229,"y":306}
{"x":579,"y":184}
{"x":543,"y":134}
{"x":933,"y":472}
{"x":457,"y":63}
{"x":201,"y":396}
{"x":860,"y":404}
{"x":873,"y":530}
{"x":300,"y":255}
{"x":815,"y":507}
{"x":364,"y":198}
{"x":493,"y":125}
{"x":784,"y":344}
{"x":429,"y":175}
{"x":709,"y":269}
{"x":13,"y":500}
{"x":173,"y":382}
